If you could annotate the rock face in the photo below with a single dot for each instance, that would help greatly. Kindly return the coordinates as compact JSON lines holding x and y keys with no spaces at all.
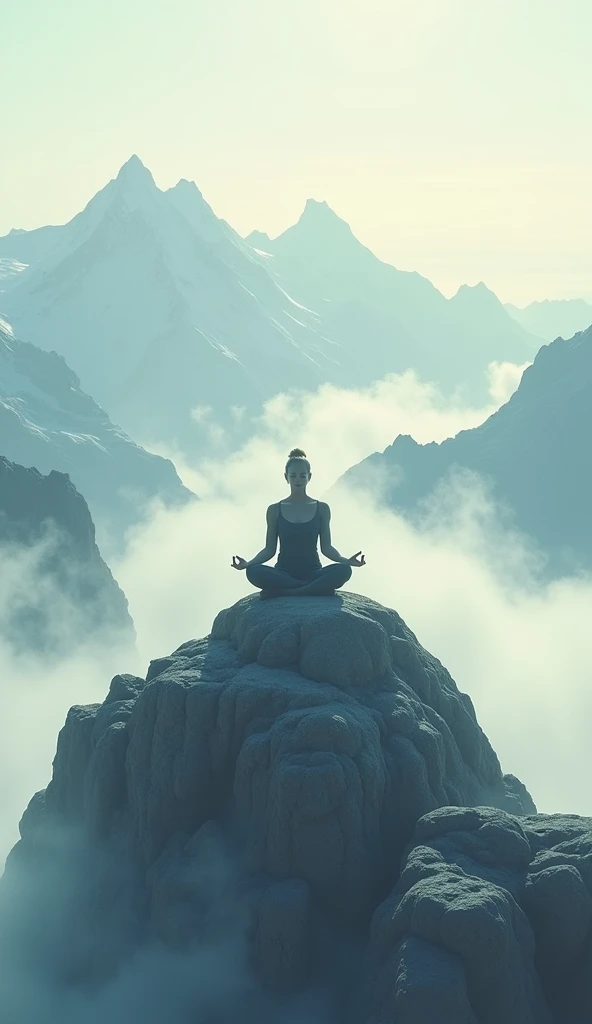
{"x":64,"y":591}
{"x":532,"y":453}
{"x":310,"y":778}
{"x":491,"y":920}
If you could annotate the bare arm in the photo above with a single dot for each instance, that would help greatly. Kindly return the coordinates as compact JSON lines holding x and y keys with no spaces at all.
{"x":271,"y":538}
{"x":325,"y":536}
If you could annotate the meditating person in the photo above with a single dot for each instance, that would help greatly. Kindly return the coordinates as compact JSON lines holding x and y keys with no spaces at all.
{"x":298,"y":522}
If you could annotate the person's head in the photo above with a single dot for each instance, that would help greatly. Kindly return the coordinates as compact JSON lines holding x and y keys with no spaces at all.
{"x":297,"y":471}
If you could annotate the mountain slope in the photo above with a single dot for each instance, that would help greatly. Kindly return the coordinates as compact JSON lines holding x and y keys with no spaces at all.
{"x":179,"y":327}
{"x":553,"y":318}
{"x":56,"y":591}
{"x":321,"y":257}
{"x":534,"y":452}
{"x":161,"y":308}
{"x":47,"y":421}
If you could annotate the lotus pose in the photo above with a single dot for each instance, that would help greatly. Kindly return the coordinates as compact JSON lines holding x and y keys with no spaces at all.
{"x":298,"y":522}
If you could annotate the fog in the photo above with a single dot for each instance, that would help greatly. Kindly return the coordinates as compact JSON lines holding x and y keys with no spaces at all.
{"x":464,"y":581}
{"x":466,"y":584}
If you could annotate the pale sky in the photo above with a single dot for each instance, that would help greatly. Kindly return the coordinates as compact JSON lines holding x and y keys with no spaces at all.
{"x":454,"y":136}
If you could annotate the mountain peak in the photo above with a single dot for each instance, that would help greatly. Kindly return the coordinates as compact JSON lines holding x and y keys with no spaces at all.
{"x":259,"y":240}
{"x":184,"y":187}
{"x":187,"y":199}
{"x":476,"y":294}
{"x":321,"y":222}
{"x":317,"y":205}
{"x":320,"y":212}
{"x":134,"y":173}
{"x":475,"y":289}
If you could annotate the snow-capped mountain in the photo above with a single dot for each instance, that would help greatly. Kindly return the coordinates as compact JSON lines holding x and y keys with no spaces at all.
{"x":178,"y":327}
{"x":533,"y":453}
{"x":320,"y":258}
{"x":162,"y":310}
{"x":48,"y":422}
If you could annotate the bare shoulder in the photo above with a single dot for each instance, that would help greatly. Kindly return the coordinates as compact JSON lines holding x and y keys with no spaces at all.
{"x":325,"y":509}
{"x":272,"y":512}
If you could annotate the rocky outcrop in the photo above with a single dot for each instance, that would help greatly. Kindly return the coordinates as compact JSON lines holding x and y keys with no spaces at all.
{"x":310,"y":778}
{"x":490,"y":920}
{"x":57,"y":590}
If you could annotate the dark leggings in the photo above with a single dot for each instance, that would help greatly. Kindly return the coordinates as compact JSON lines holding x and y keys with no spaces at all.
{"x":322,"y":581}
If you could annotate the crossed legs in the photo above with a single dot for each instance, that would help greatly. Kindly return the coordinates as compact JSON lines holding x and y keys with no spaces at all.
{"x":279,"y":583}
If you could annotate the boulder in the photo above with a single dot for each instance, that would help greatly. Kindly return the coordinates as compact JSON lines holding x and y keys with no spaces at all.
{"x":507,"y":900}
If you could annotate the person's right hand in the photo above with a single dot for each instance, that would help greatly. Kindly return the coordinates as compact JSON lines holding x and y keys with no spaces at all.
{"x":238,"y":562}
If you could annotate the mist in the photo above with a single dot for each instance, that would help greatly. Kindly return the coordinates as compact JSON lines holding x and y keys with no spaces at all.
{"x":39,"y":683}
{"x":47,"y":943}
{"x":465,"y":582}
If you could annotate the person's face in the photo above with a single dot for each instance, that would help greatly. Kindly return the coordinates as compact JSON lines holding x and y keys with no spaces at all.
{"x":298,"y":475}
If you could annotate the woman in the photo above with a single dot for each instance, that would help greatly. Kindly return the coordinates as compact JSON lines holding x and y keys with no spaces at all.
{"x":298,"y":522}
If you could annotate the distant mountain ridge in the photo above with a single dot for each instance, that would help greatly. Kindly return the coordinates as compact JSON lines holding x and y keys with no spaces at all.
{"x":533,"y":452}
{"x":161,"y":308}
{"x":553,"y":318}
{"x":179,"y":327}
{"x":320,"y":258}
{"x":48,"y":422}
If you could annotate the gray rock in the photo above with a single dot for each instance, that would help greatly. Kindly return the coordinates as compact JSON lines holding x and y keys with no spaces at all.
{"x":283,"y":934}
{"x":423,"y":982}
{"x":274,"y":781}
{"x":470,"y":885}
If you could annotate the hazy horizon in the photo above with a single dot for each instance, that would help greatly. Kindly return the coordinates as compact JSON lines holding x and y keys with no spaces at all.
{"x":450,"y":138}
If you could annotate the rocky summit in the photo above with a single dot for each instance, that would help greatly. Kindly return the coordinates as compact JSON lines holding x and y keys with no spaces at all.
{"x":302,"y":813}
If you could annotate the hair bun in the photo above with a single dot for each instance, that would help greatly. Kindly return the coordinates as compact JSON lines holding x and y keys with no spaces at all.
{"x":297,"y":453}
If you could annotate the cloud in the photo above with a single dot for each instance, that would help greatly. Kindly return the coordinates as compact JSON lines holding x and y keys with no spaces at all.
{"x":65,"y":663}
{"x":507,"y":640}
{"x":68,"y":955}
{"x":504,"y":378}
{"x":341,"y":426}
{"x":466,"y":582}
{"x":35,"y":697}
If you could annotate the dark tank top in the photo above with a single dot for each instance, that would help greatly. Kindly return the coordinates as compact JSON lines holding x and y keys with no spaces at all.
{"x":298,"y":545}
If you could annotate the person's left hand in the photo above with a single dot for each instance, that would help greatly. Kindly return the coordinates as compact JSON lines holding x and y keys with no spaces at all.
{"x":358,"y":559}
